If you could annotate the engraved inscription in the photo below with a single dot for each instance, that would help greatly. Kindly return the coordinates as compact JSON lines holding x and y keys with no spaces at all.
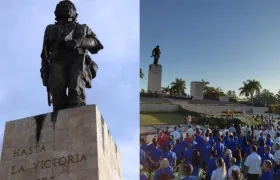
{"x":29,"y":151}
{"x":43,"y":164}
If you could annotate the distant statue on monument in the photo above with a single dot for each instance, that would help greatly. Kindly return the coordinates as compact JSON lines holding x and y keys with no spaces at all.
{"x":66,"y":68}
{"x":156,"y":54}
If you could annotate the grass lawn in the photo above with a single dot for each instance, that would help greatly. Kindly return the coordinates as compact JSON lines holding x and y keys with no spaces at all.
{"x":161,"y":118}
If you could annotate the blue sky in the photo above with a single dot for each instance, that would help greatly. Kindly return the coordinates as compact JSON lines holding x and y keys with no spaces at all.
{"x":115,"y":90}
{"x":223,"y":42}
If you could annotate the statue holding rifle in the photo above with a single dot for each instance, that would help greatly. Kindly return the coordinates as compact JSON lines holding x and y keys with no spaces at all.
{"x":66,"y":68}
{"x":156,"y":54}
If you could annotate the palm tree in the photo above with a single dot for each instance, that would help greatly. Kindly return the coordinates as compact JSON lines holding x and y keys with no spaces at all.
{"x":165,"y":90}
{"x":178,"y":86}
{"x":141,"y":73}
{"x":220,"y":91}
{"x":250,"y":87}
{"x":244,"y":90}
{"x":205,"y":83}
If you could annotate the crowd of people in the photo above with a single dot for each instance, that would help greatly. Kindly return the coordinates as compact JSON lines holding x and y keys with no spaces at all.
{"x":236,"y":153}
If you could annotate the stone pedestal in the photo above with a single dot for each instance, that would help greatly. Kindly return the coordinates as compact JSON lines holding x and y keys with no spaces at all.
{"x":154,"y":79}
{"x":73,"y":144}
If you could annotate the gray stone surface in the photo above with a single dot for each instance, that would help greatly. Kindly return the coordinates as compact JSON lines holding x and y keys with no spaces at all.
{"x":154,"y":78}
{"x":77,"y":146}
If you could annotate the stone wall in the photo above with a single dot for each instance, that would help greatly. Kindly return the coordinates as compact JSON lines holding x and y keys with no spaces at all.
{"x":223,"y":98}
{"x":159,"y":108}
{"x":260,"y":110}
{"x":73,"y":144}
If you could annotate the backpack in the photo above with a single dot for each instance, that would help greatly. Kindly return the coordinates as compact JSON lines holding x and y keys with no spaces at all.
{"x":165,"y":176}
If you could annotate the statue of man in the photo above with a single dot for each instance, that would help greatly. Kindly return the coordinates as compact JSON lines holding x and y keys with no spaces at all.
{"x":67,"y":69}
{"x":156,"y":54}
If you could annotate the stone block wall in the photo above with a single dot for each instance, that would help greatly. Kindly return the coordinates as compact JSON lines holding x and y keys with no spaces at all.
{"x":73,"y":144}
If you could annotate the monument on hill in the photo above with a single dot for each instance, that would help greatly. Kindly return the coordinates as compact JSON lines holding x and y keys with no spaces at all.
{"x":73,"y":142}
{"x":155,"y":72}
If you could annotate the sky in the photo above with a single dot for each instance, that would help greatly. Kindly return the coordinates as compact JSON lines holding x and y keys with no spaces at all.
{"x":116,"y":87}
{"x":222,"y":42}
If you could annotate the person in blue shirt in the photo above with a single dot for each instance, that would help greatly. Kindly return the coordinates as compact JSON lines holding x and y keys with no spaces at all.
{"x":269,"y":142}
{"x":235,"y":138}
{"x":179,"y":150}
{"x":247,"y":147}
{"x":205,"y":151}
{"x":277,"y":175}
{"x":170,"y":141}
{"x":219,"y":147}
{"x":267,"y":171}
{"x":143,"y":144}
{"x":267,"y":154}
{"x":142,"y":157}
{"x":228,"y":156}
{"x":226,"y":138}
{"x":164,"y":169}
{"x":260,"y":150}
{"x":231,"y":144}
{"x":151,"y":146}
{"x":211,"y":164}
{"x":189,"y":171}
{"x":196,"y":160}
{"x":154,"y":157}
{"x":240,"y":141}
{"x":188,"y":154}
{"x":171,"y":156}
{"x":211,"y":140}
{"x":183,"y":143}
{"x":261,"y":138}
{"x":199,"y":140}
{"x":142,"y":176}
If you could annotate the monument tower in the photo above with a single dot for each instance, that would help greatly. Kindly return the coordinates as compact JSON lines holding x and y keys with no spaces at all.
{"x":73,"y":142}
{"x":155,"y":72}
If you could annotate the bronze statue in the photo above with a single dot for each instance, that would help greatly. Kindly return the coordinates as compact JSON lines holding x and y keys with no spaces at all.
{"x":67,"y":69}
{"x":156,"y":54}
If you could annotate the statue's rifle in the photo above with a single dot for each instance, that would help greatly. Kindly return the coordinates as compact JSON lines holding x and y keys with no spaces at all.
{"x":48,"y":71}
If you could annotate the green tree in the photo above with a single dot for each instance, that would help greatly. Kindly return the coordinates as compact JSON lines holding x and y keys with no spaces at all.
{"x":250,"y":87}
{"x":244,"y":90}
{"x":178,"y":86}
{"x":265,"y":98}
{"x":277,"y":96}
{"x":211,"y":93}
{"x":220,"y":91}
{"x":165,"y":89}
{"x":205,"y":84}
{"x":141,"y":73}
{"x":232,"y":96}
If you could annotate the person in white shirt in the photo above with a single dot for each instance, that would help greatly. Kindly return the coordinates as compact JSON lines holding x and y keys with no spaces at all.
{"x":276,"y":156}
{"x":175,"y":134}
{"x":277,"y":140}
{"x":272,"y":133}
{"x":220,"y":173}
{"x":232,"y":163}
{"x":252,"y":164}
{"x":190,"y":131}
{"x":231,"y":129}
